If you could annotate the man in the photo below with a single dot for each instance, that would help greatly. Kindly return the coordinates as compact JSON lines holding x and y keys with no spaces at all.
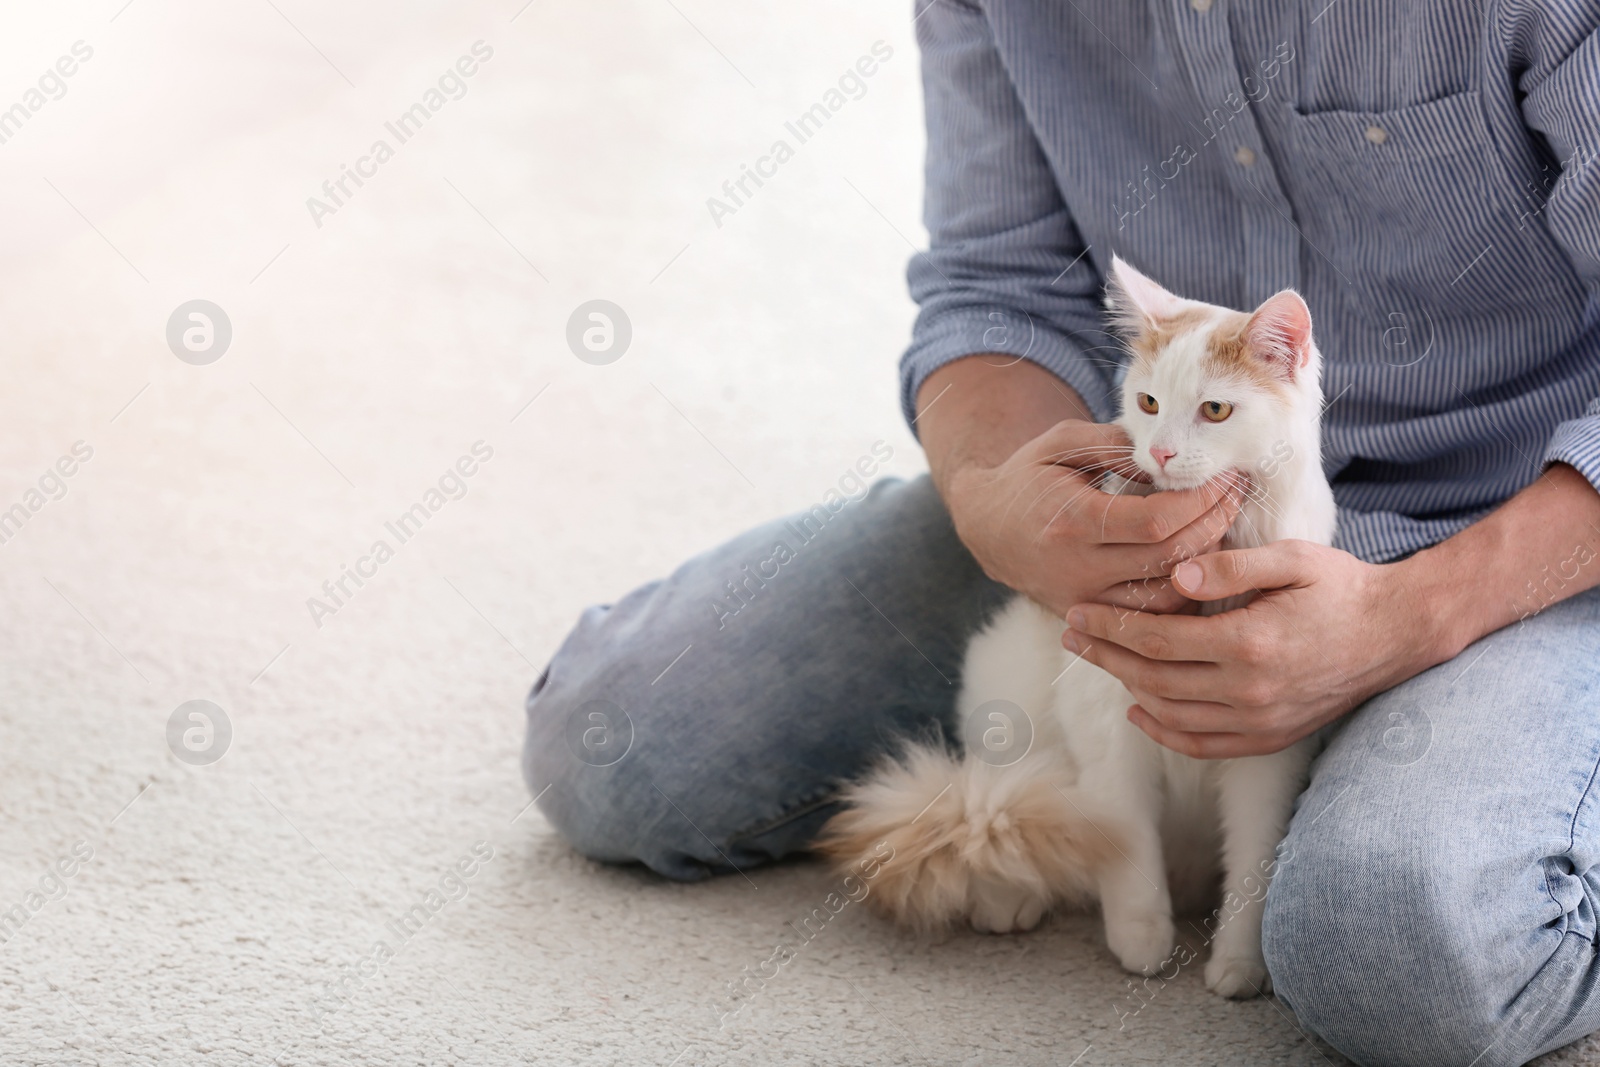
{"x":1425,"y":174}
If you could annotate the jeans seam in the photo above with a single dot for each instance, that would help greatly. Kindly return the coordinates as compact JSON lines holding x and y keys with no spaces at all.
{"x":1572,"y":830}
{"x":811,"y":803}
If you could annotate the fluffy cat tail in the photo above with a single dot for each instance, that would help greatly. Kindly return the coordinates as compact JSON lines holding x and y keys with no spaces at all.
{"x":968,"y":838}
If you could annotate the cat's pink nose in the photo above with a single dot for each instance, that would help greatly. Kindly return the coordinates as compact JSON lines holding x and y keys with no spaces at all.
{"x":1161,"y":455}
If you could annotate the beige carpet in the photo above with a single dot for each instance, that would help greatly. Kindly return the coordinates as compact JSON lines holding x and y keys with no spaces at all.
{"x":157,"y":910}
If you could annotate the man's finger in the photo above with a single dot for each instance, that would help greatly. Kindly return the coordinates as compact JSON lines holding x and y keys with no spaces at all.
{"x":1199,"y":537}
{"x":1173,"y":680}
{"x":1189,"y":716}
{"x":1150,"y":520}
{"x":1204,"y":533}
{"x":1206,"y":746}
{"x":1084,"y":445}
{"x":1245,"y":570}
{"x":1166,"y":638}
{"x":1155,"y":595}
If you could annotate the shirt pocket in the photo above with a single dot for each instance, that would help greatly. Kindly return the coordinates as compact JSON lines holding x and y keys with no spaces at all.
{"x":1418,"y":214}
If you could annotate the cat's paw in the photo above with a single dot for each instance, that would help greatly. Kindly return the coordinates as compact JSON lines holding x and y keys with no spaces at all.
{"x":1238,"y":977}
{"x":1001,"y":909}
{"x":1141,"y":943}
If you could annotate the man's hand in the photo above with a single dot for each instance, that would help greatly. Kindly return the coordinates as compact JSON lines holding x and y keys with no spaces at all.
{"x":1037,"y":523}
{"x":1327,"y":632}
{"x":1015,"y":456}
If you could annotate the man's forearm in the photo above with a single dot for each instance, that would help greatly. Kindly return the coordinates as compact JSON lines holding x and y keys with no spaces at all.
{"x":1541,"y":547}
{"x":980,"y":409}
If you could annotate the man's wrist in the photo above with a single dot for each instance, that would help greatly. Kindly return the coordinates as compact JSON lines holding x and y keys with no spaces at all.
{"x":1439,"y":615}
{"x":1540,"y":547}
{"x":975,"y":412}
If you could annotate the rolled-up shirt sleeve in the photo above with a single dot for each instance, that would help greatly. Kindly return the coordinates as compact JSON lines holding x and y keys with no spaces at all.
{"x":1006,"y":270}
{"x":1577,"y":442}
{"x":1561,"y":101}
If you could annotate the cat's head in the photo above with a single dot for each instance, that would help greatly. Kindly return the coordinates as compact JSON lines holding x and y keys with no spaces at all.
{"x":1209,"y":389}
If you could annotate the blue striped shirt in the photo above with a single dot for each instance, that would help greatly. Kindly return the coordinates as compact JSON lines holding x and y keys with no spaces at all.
{"x":1424,"y":172}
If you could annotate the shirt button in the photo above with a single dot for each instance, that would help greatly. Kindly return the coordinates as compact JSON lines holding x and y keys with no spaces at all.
{"x":1377,"y":134}
{"x":1201,"y":6}
{"x":1244,"y":156}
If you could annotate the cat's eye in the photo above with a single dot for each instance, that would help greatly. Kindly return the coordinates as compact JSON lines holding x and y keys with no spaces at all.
{"x":1216,"y":410}
{"x":1147,"y":404}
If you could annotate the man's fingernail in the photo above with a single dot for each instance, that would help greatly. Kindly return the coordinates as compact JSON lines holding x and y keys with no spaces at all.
{"x":1075,"y":619}
{"x":1069,"y":641}
{"x":1187,"y":575}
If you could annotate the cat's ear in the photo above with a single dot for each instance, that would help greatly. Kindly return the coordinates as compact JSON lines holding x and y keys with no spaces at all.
{"x":1136,"y":301}
{"x":1280,"y":333}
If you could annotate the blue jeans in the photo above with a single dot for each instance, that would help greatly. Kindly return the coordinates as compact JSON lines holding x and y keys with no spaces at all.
{"x":1437,"y":901}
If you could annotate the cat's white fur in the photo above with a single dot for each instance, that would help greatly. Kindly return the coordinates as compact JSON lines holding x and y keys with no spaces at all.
{"x":1096,"y":810}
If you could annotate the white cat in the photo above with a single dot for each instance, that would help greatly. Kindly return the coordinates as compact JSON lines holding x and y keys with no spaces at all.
{"x":1094,"y":809}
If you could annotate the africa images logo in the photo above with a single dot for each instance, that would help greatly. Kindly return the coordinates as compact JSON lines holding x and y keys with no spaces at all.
{"x":851,"y":85}
{"x":451,"y":85}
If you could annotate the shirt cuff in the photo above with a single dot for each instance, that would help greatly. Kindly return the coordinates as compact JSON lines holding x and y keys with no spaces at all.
{"x":1577,"y":443}
{"x":952,"y":335}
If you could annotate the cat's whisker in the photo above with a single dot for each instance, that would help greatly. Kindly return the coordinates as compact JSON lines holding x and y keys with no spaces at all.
{"x":1253,"y":494}
{"x":1069,"y":502}
{"x":1104,"y":518}
{"x":1051,"y":462}
{"x":1264,"y":503}
{"x":1245,"y":518}
{"x":1260,"y":535}
{"x":1054,"y":458}
{"x":1130,"y":470}
{"x":1086,"y":449}
{"x":1049,"y":487}
{"x":1081,"y":491}
{"x":1262,"y":499}
{"x":1043,"y":472}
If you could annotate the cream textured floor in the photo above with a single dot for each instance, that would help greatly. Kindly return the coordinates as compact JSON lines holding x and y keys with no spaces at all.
{"x":227,"y":913}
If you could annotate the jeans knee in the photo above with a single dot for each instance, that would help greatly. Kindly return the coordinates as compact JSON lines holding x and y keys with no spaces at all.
{"x":668,"y":732}
{"x":1368,"y":940}
{"x":618,"y":793}
{"x":581,"y":765}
